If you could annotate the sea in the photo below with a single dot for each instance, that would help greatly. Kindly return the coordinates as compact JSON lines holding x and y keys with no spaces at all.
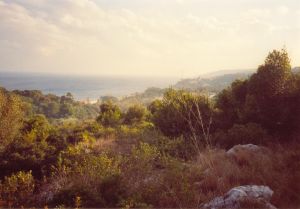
{"x":83,"y":87}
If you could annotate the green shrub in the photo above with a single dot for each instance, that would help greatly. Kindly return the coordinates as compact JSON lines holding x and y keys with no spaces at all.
{"x":241,"y":134}
{"x":135,"y":114}
{"x":93,"y":178}
{"x":110,"y":114}
{"x":17,"y":189}
{"x":181,"y":112}
{"x":11,"y":115}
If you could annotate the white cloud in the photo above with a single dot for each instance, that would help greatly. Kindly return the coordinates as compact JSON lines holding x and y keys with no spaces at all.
{"x":73,"y":35}
{"x":180,"y":1}
{"x":283,"y":10}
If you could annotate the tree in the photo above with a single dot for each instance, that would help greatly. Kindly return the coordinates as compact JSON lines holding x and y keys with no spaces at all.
{"x":182,"y":113}
{"x":154,"y":106}
{"x":271,"y":87}
{"x":110,"y":114}
{"x":37,"y":128}
{"x":135,"y":114}
{"x":11,"y":114}
{"x":267,"y":98}
{"x":17,"y":189}
{"x":29,"y":150}
{"x":68,"y":98}
{"x":52,"y":110}
{"x":109,"y":99}
{"x":66,"y":110}
{"x":272,"y":77}
{"x":241,"y":134}
{"x":230,"y":103}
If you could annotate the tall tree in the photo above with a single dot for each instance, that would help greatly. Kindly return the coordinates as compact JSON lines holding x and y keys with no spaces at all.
{"x":271,"y":87}
{"x":11,"y":114}
{"x":272,"y":78}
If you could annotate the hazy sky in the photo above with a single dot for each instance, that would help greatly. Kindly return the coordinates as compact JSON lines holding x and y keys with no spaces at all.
{"x":145,"y":37}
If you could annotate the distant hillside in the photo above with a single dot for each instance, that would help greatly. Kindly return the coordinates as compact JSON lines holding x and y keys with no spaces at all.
{"x":144,"y":98}
{"x":216,"y":81}
{"x":213,"y":82}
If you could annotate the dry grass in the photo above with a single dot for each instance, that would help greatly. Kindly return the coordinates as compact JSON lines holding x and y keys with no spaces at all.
{"x":278,"y":167}
{"x":150,"y":178}
{"x":215,"y":172}
{"x":114,"y":146}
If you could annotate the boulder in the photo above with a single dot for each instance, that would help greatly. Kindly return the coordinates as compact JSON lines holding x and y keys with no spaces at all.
{"x":235,"y":150}
{"x":239,"y":196}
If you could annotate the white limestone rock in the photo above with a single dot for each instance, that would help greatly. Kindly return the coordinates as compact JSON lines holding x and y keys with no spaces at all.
{"x":234,"y":197}
{"x":249,"y":148}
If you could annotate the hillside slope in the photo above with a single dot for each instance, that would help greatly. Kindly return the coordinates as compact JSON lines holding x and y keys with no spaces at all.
{"x":216,"y":81}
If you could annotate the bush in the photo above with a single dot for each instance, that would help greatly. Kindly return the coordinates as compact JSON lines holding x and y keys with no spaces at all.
{"x":181,"y":113}
{"x":110,"y":114}
{"x":11,"y":115}
{"x":90,"y":177}
{"x":250,"y":133}
{"x":17,"y":189}
{"x":135,"y":114}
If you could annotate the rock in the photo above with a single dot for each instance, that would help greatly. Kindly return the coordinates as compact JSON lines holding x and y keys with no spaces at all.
{"x":235,"y":197}
{"x":234,"y":151}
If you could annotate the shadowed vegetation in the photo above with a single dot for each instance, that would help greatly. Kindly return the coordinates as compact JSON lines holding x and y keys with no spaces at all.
{"x":57,"y":152}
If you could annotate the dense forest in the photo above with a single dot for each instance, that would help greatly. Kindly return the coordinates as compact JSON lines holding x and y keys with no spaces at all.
{"x":171,"y":152}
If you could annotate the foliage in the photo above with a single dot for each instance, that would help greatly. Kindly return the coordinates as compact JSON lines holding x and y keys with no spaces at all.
{"x":54,"y":152}
{"x":250,"y":133}
{"x":275,"y":78}
{"x":230,"y":103}
{"x":267,"y":98}
{"x":154,"y":106}
{"x":181,"y":113}
{"x":110,"y":114}
{"x":89,"y":177}
{"x":17,"y":189}
{"x":135,"y":114}
{"x":109,"y":99}
{"x":144,"y":98}
{"x":53,"y":106}
{"x":11,"y":114}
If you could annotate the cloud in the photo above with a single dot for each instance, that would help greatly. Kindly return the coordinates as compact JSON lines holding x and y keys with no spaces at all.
{"x":283,"y":10}
{"x":85,"y":36}
{"x":180,"y":1}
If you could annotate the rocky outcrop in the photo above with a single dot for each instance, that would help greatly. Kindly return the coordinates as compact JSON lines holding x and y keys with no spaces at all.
{"x":250,"y":148}
{"x":243,"y":196}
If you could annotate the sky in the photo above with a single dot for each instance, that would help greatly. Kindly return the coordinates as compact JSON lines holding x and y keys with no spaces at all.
{"x":145,"y":37}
